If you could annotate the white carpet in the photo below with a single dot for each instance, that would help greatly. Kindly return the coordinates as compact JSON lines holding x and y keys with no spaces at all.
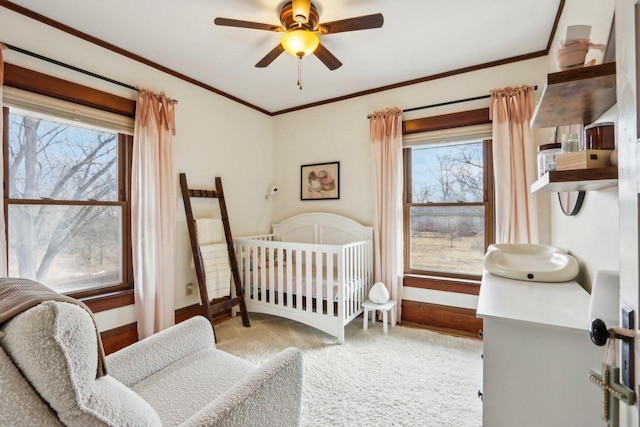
{"x":409,"y":377}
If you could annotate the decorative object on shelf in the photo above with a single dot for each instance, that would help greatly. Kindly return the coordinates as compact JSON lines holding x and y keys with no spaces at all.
{"x":573,"y":50}
{"x":570,"y":142}
{"x":613,"y":159}
{"x":547,"y":157}
{"x":600,"y":136}
{"x":379,"y":293}
{"x":320,"y":181}
{"x":570,"y":137}
{"x":583,"y":159}
{"x":571,"y":202}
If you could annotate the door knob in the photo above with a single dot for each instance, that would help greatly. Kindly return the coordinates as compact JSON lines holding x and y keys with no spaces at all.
{"x":598,"y":332}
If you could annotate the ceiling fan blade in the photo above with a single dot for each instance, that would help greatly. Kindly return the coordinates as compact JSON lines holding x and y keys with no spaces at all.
{"x":327,"y":57}
{"x":226,"y":22}
{"x":301,"y":10}
{"x":352,"y":24}
{"x":270,"y":57}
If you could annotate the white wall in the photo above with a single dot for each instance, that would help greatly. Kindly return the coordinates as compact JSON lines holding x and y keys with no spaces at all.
{"x":215,"y":136}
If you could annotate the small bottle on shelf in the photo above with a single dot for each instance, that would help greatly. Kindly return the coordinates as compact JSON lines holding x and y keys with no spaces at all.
{"x":569,"y":143}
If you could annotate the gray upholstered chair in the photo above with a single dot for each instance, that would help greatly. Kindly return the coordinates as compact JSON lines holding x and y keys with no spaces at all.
{"x":48,"y":360}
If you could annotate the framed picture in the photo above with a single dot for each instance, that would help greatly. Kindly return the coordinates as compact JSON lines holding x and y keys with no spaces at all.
{"x":320,"y":181}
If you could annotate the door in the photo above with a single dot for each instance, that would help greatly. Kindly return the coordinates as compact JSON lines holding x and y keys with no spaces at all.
{"x":627,"y":37}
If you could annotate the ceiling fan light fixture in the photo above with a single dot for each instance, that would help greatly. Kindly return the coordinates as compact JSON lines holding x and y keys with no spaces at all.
{"x":300,"y":42}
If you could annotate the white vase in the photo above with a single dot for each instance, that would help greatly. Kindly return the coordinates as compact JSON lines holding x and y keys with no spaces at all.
{"x":379,"y":293}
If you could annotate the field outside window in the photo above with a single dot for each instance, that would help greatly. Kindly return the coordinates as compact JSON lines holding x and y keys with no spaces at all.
{"x":446,"y":209}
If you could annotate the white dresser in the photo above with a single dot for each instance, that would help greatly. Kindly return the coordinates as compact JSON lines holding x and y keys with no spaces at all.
{"x":537,"y":355}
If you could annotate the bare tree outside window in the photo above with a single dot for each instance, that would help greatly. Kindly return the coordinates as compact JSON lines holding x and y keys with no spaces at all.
{"x":64,"y":207}
{"x":446,"y":212}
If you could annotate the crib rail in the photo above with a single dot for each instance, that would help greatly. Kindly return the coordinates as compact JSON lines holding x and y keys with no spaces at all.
{"x":306,"y":281}
{"x":357,"y":277}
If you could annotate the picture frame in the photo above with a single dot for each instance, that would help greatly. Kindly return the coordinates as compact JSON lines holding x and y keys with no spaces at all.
{"x":320,"y":181}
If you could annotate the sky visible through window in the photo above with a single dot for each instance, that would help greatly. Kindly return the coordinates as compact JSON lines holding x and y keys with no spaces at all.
{"x":447,"y":172}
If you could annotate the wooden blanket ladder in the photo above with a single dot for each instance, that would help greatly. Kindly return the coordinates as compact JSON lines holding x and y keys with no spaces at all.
{"x":211,"y":308}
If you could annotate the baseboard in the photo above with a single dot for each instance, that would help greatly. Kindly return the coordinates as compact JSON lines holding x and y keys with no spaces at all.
{"x":456,"y":320}
{"x":120,"y":337}
{"x":443,"y":318}
{"x":189,"y":311}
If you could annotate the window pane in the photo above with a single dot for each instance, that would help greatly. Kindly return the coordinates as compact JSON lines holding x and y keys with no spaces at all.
{"x":52,"y":160}
{"x":447,"y":173}
{"x":68,"y":248}
{"x":447,"y":239}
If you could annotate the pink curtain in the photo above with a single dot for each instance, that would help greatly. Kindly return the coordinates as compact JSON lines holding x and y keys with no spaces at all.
{"x":514,"y":165}
{"x":153,"y":211}
{"x":386,"y":136}
{"x":3,"y":240}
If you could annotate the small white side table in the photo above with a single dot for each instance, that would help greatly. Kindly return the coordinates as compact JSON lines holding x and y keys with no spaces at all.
{"x":390,"y":305}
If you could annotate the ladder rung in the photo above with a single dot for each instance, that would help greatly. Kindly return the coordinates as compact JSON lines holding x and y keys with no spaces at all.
{"x":203,"y":193}
{"x":224,"y":305}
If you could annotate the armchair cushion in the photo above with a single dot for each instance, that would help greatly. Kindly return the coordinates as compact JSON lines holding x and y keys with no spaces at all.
{"x":136,"y":362}
{"x":20,"y":404}
{"x":54,"y":346}
{"x":271,"y":396}
{"x":188,"y":385}
{"x":208,"y":387}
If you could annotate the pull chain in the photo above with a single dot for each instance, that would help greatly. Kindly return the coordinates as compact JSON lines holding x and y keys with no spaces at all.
{"x":300,"y":72}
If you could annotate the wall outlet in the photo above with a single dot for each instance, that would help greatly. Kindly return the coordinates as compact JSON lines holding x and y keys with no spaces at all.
{"x":189,"y":288}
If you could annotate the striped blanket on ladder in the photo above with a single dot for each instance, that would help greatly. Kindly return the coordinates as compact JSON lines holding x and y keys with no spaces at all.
{"x":215,"y":257}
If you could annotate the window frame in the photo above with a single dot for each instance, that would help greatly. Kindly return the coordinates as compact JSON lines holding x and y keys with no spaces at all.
{"x":104,"y":297}
{"x":448,"y":121}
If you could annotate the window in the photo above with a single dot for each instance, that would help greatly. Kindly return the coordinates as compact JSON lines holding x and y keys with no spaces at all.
{"x":448,"y":206}
{"x":67,"y":199}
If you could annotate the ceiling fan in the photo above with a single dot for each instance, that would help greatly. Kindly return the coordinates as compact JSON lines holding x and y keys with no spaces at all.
{"x":301,"y":27}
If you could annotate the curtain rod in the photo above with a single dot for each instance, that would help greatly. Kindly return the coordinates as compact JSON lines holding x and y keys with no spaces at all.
{"x":440,"y":104}
{"x":70,"y":67}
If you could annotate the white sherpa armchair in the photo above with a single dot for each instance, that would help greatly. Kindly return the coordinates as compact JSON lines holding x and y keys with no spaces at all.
{"x":177,"y":377}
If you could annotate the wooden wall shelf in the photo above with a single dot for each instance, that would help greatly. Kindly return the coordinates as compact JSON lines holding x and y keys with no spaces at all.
{"x":577,"y":180}
{"x":577,"y":96}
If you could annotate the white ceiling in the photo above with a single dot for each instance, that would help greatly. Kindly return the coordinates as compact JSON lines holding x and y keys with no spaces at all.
{"x":419,"y":38}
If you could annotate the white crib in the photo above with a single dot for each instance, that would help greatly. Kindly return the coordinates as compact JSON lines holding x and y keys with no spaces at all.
{"x":316,"y":268}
